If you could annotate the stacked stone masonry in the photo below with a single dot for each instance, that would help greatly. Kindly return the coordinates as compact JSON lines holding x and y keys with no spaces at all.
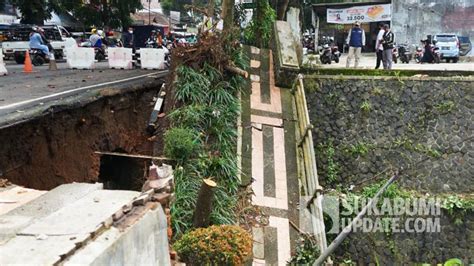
{"x":374,"y":123}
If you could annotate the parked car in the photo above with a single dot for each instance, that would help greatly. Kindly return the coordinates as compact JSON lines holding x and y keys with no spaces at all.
{"x":465,"y":44}
{"x":449,"y":46}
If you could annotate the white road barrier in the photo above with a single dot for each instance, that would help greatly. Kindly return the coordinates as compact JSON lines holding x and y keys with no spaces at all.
{"x":3,"y":69}
{"x":80,"y":57}
{"x":120,"y":58}
{"x":152,"y":58}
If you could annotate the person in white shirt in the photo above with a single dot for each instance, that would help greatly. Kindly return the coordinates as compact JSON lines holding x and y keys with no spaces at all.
{"x":379,"y":46}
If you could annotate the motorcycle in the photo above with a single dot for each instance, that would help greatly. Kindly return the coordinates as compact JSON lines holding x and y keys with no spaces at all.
{"x":394,"y":54}
{"x":335,"y":53}
{"x":326,"y":55}
{"x":436,"y":52}
{"x":404,"y":54}
{"x":418,"y":54}
{"x":38,"y":58}
{"x":99,"y":51}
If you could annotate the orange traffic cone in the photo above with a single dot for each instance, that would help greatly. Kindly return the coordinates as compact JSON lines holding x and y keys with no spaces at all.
{"x":28,"y":67}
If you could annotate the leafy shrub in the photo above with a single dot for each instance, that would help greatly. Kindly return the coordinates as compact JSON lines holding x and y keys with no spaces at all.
{"x":180,"y":143}
{"x":215,"y":245}
{"x":307,"y":251}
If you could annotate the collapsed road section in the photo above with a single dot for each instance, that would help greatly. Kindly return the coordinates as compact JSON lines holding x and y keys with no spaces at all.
{"x":53,"y":126}
{"x":68,"y":195}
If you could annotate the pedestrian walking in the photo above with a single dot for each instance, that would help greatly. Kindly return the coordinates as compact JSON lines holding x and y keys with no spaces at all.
{"x":387,"y":42}
{"x":355,"y":39}
{"x":379,"y":46}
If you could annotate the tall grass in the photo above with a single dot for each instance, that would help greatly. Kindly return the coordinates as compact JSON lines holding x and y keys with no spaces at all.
{"x":210,"y":106}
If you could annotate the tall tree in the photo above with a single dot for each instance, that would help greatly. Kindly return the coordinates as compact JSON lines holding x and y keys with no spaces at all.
{"x":227,"y":13}
{"x":34,"y":11}
{"x":113,"y":13}
{"x":281,"y":10}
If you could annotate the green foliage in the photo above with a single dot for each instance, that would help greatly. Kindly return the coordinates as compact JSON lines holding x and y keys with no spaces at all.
{"x":176,"y":5}
{"x":332,"y":165}
{"x":101,"y":13}
{"x":453,"y":262}
{"x":409,"y":144}
{"x":365,"y":106}
{"x":260,"y":29}
{"x":445,"y":107}
{"x":457,"y":207}
{"x":307,"y":251}
{"x":215,"y":245}
{"x":35,"y":11}
{"x":180,"y":143}
{"x":360,"y":148}
{"x":377,"y":91}
{"x":208,"y":104}
{"x":393,"y":191}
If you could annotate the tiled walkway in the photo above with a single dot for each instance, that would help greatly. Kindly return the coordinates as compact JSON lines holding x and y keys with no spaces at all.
{"x":269,"y":159}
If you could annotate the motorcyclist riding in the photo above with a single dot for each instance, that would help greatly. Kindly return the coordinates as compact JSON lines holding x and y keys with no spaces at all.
{"x":37,"y":42}
{"x":155,"y":40}
{"x":95,"y":39}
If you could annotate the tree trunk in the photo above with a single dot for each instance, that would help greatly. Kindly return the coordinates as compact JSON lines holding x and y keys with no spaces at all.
{"x":259,"y":17}
{"x":227,"y":13}
{"x":210,"y":9}
{"x":282,"y":7}
{"x":202,"y":213}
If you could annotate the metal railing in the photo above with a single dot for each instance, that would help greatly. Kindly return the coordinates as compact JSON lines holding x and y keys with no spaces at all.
{"x":307,"y":170}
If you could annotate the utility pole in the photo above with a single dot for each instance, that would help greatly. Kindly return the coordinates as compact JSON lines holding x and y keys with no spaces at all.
{"x":149,"y":12}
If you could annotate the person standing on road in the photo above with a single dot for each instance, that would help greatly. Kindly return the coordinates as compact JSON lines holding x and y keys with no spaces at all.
{"x":387,"y":42}
{"x":128,"y":39}
{"x":378,"y":46}
{"x":355,"y":39}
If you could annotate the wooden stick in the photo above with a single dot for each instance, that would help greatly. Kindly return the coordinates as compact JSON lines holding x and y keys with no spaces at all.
{"x":138,"y":156}
{"x":202,"y":213}
{"x":237,"y":71}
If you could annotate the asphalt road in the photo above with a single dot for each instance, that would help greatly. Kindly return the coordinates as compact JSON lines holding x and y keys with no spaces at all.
{"x":20,"y":91}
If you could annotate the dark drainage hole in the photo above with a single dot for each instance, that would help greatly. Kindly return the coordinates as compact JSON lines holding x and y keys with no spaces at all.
{"x":122,"y":173}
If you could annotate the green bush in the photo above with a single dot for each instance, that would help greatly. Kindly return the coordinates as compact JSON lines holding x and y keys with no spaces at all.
{"x":180,"y":143}
{"x":307,"y":251}
{"x":215,"y":245}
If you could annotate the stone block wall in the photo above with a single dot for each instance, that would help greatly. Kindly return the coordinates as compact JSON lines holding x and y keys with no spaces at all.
{"x":424,"y":126}
{"x":364,"y":127}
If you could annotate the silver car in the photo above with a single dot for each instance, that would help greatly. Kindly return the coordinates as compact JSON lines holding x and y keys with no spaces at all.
{"x":449,"y":46}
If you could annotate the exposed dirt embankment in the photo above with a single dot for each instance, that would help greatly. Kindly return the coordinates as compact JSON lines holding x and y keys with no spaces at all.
{"x":59,"y":148}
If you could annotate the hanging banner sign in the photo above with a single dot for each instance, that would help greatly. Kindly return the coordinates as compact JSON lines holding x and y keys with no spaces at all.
{"x":363,"y":14}
{"x":7,"y":19}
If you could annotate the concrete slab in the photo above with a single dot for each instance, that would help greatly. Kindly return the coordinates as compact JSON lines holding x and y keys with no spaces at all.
{"x":286,"y":45}
{"x":20,"y":217}
{"x":145,"y":243}
{"x":24,"y":250}
{"x":17,"y":196}
{"x":82,"y":216}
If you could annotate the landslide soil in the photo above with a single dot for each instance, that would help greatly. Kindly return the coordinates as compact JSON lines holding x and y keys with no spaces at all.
{"x":60,"y":147}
